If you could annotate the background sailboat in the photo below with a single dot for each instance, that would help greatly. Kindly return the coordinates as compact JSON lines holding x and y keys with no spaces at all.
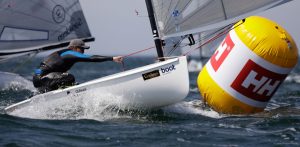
{"x":31,"y":26}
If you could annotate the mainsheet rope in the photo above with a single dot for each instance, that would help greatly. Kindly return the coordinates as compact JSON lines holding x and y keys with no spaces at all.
{"x":133,"y":53}
{"x":187,"y":53}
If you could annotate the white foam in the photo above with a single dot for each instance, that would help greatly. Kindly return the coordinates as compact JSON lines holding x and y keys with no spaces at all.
{"x":97,"y":107}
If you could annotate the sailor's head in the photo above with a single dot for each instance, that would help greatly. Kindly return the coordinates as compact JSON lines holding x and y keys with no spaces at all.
{"x":78,"y":44}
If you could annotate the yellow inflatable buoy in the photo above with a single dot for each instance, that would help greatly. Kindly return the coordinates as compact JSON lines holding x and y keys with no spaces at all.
{"x":247,"y":68}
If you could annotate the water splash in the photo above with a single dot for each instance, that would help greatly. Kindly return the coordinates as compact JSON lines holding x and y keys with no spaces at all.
{"x":193,"y":107}
{"x":11,"y":81}
{"x":100,"y":107}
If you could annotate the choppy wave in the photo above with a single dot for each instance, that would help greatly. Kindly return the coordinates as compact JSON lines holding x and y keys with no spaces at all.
{"x":193,"y":107}
{"x":293,"y":78}
{"x":90,"y":121}
{"x":14,"y":88}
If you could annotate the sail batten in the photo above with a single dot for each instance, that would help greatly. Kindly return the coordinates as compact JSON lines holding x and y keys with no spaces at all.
{"x":182,"y":17}
{"x":34,"y":25}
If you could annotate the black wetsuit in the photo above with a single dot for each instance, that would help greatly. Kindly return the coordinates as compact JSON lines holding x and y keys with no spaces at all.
{"x":51,"y":74}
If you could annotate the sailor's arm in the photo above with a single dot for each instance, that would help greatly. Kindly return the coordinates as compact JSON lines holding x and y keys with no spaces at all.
{"x":79,"y":57}
{"x":98,"y":58}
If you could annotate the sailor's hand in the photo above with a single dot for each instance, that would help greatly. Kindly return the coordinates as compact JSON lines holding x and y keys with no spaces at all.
{"x":118,"y":59}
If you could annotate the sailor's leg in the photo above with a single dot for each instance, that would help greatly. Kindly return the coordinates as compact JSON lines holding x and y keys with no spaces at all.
{"x":58,"y":80}
{"x":40,"y":83}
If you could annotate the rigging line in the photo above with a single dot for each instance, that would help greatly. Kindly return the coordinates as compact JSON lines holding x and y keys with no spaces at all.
{"x":176,"y":45}
{"x":123,"y":66}
{"x":224,"y":11}
{"x":214,"y":38}
{"x":138,"y":52}
{"x":28,"y":60}
{"x":125,"y":56}
{"x":210,"y":40}
{"x":199,"y":40}
{"x":213,"y":33}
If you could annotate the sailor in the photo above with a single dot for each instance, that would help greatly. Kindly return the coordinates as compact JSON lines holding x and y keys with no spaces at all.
{"x":52,"y":72}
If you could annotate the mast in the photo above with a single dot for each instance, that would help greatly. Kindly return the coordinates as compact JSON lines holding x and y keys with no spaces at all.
{"x":157,"y":40}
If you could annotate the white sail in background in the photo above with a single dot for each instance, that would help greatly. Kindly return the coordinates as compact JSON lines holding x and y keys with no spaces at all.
{"x":33,"y":25}
{"x":182,"y":17}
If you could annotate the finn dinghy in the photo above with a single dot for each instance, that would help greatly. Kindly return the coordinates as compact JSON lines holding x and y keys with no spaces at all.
{"x":152,"y":86}
{"x":172,"y":21}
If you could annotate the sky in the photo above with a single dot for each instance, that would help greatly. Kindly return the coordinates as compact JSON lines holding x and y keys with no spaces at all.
{"x":119,"y":31}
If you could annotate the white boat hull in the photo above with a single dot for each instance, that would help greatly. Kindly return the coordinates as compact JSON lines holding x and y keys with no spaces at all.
{"x":149,"y":87}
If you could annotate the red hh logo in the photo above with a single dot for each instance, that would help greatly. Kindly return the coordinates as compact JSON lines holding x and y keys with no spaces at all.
{"x":220,"y":55}
{"x":256,"y":82}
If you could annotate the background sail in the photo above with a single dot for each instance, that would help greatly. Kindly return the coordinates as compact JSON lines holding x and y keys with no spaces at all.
{"x":30,"y":25}
{"x":181,"y":17}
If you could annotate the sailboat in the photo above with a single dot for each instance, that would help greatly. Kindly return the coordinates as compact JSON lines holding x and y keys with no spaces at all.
{"x":165,"y":82}
{"x":32,"y":26}
{"x":148,"y":87}
{"x":182,"y":21}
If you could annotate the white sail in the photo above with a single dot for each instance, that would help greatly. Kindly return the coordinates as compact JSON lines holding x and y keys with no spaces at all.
{"x":33,"y":25}
{"x":182,"y":17}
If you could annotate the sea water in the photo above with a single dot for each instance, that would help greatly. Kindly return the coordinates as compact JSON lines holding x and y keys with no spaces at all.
{"x":85,"y":122}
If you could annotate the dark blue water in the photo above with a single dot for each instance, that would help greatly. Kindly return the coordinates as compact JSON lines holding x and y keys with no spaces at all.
{"x":188,"y":123}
